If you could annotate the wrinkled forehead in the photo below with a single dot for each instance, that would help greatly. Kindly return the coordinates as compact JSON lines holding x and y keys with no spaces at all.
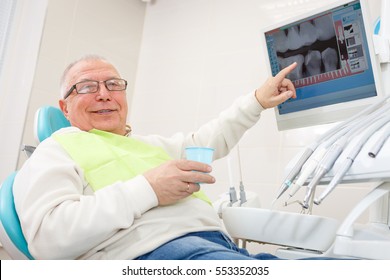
{"x":91,"y":70}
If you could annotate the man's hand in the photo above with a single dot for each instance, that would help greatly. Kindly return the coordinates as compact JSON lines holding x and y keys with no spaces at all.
{"x":176,"y":179}
{"x":276,"y":89}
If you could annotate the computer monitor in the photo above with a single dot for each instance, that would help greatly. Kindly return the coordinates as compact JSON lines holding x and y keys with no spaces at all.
{"x":338,"y":72}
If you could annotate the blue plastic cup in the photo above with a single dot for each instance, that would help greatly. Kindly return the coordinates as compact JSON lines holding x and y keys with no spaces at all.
{"x":201,"y":154}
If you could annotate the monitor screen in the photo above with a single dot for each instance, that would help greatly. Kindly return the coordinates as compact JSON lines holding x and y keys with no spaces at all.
{"x":337,"y":72}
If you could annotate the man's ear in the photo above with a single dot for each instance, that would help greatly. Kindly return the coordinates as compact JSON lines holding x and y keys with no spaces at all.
{"x":64,"y":107}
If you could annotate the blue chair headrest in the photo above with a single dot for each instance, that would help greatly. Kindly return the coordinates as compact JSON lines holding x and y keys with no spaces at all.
{"x":48,"y":120}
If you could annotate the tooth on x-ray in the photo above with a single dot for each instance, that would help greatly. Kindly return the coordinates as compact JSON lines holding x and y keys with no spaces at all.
{"x":325,"y":28}
{"x":293,"y":40}
{"x":297,"y":73}
{"x":329,"y":59}
{"x":280,"y":41}
{"x":313,"y":62}
{"x":307,"y":34}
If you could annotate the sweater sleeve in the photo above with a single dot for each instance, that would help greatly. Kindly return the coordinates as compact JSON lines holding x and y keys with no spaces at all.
{"x":221,"y":133}
{"x":58,"y":219}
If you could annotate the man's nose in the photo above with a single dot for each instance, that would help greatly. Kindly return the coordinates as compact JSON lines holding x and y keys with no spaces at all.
{"x":103,"y":93}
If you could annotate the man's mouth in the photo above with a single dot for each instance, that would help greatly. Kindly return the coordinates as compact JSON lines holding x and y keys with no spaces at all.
{"x":104,"y":111}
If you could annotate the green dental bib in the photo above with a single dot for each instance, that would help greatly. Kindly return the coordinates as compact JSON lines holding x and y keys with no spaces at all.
{"x":107,"y":158}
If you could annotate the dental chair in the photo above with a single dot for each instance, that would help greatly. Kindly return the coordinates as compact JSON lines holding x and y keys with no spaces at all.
{"x":48,"y":119}
{"x":11,"y":235}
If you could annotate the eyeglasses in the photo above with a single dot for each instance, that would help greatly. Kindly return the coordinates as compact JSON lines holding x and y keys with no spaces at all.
{"x":87,"y":87}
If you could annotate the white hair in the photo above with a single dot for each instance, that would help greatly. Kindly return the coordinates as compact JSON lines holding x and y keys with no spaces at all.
{"x":88,"y":57}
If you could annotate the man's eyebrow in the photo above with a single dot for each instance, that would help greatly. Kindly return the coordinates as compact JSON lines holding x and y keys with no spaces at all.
{"x":86,"y":80}
{"x":91,"y":80}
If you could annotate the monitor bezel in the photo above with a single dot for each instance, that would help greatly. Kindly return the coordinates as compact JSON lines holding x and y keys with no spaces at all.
{"x":336,"y":112}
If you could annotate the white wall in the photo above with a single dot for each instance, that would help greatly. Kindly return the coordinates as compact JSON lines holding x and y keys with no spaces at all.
{"x":197,"y":56}
{"x":17,"y":78}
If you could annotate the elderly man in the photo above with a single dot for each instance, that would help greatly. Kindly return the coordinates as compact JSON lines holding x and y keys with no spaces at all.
{"x":95,"y":191}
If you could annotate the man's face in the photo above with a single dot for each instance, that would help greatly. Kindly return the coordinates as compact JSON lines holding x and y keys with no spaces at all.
{"x":104,"y":110}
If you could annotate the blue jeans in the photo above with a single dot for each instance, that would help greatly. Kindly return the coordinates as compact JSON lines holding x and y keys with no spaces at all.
{"x":206,"y":245}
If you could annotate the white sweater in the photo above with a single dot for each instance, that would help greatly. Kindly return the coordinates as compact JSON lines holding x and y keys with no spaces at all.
{"x":62,"y":218}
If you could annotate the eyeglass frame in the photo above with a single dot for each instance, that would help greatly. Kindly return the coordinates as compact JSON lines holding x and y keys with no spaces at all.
{"x":74,"y":87}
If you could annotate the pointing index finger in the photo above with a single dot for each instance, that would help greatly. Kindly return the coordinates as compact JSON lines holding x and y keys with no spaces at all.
{"x":284,"y":72}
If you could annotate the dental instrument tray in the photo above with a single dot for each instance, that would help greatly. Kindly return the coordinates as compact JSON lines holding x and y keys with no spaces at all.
{"x":280,"y":228}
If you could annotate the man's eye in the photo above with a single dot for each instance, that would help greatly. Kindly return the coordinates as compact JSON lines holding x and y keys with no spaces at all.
{"x":114,"y":85}
{"x":85,"y":88}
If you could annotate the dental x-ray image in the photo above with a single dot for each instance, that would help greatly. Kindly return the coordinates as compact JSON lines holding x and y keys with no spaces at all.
{"x":313,"y":44}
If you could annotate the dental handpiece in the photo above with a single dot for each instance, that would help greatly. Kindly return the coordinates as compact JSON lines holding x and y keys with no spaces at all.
{"x":307,"y":171}
{"x":294,"y":172}
{"x":332,"y":134}
{"x":324,"y":166}
{"x":347,"y":163}
{"x":336,"y":179}
{"x":379,"y":143}
{"x":335,"y":151}
{"x":288,"y":181}
{"x":314,"y":161}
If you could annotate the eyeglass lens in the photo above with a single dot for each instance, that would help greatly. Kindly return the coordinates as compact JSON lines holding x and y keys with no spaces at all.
{"x":93,"y":86}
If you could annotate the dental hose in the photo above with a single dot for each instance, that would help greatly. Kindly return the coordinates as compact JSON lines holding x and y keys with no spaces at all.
{"x":289,"y":179}
{"x":347,"y":163}
{"x":379,"y":143}
{"x":324,"y":166}
{"x":336,"y":149}
{"x":314,"y":161}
